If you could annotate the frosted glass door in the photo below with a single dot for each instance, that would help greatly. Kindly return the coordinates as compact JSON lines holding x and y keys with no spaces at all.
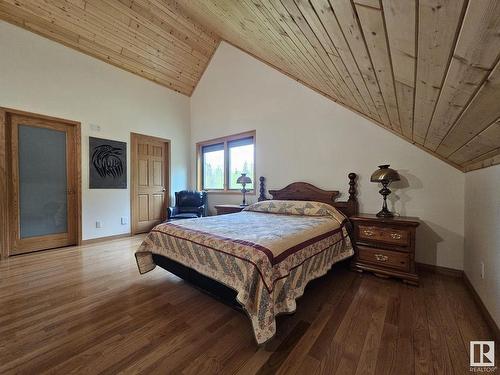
{"x":43,"y":203}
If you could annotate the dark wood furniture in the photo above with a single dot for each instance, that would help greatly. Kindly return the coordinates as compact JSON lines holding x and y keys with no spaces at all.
{"x":385,"y":246}
{"x":223,"y":209}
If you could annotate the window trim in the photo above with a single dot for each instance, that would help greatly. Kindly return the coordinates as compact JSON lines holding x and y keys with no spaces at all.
{"x":225,"y":141}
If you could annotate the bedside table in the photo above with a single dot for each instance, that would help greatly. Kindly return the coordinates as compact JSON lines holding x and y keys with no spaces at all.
{"x":223,"y":209}
{"x":385,"y":246}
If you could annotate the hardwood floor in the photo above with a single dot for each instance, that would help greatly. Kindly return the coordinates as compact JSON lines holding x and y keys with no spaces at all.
{"x":87,"y":310}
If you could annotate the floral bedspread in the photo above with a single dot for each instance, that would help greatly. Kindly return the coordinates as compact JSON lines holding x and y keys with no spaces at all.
{"x":267,"y":253}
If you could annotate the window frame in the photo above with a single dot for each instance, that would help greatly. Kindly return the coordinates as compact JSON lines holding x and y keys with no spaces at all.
{"x":224,"y":140}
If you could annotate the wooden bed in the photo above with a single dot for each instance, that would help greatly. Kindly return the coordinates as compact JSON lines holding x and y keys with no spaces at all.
{"x":263,"y":257}
{"x":302,"y":191}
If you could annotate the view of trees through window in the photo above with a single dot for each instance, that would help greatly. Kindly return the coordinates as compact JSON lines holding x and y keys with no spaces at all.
{"x":213,"y":169}
{"x":239,"y":159}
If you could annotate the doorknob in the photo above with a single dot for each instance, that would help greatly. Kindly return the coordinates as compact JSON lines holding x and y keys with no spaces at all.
{"x":163,"y":190}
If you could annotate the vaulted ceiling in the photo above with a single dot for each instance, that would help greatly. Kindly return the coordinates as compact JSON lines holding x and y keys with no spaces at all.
{"x":426,"y":70}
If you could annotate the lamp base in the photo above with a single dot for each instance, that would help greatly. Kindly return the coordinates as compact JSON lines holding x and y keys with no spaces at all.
{"x":385,"y":213}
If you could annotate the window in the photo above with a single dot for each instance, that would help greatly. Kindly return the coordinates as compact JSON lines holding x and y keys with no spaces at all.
{"x":221,"y":161}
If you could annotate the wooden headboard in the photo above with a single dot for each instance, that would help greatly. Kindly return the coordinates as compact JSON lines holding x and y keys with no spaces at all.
{"x":303,"y":191}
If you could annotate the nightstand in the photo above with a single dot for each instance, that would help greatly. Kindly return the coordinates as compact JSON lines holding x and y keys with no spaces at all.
{"x":223,"y":209}
{"x":385,"y":246}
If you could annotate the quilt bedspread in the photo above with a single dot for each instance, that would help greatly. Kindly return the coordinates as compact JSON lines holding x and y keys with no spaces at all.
{"x":267,"y":253}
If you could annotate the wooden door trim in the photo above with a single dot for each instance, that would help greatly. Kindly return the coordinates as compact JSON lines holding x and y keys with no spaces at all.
{"x":134,"y":137}
{"x":6,"y":172}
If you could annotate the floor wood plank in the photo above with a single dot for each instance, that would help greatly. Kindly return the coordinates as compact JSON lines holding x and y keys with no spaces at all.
{"x":87,"y":310}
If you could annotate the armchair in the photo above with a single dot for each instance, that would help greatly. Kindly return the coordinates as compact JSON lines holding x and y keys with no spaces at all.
{"x":188,"y":205}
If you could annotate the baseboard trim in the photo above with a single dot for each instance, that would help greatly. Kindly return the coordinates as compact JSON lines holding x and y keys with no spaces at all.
{"x":107,"y":238}
{"x":440,"y":270}
{"x":489,"y":319}
{"x":479,"y":302}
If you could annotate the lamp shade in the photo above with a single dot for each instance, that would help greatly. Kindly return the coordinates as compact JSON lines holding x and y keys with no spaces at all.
{"x":384,"y":173}
{"x":244,"y":179}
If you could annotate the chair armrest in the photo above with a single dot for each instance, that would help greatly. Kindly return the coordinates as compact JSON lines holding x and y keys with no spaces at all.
{"x":201,"y":211}
{"x":172,"y":211}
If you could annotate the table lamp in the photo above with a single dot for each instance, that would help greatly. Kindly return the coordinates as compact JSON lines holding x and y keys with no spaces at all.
{"x":385,"y":176}
{"x":243,"y":180}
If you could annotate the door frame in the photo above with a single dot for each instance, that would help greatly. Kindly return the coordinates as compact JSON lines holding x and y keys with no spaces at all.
{"x":6,"y":208}
{"x":134,"y":137}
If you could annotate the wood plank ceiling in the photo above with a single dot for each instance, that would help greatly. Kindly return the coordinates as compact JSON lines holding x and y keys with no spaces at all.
{"x":426,"y":70}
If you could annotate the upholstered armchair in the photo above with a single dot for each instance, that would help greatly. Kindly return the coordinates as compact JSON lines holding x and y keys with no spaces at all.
{"x":188,"y":204}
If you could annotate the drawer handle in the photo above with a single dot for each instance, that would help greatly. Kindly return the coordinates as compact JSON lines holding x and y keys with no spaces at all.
{"x":368,"y":233}
{"x":396,"y":236}
{"x":382,"y":258}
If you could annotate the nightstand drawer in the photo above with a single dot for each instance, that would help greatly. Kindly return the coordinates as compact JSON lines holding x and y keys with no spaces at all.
{"x":385,"y":258}
{"x":387,"y":235}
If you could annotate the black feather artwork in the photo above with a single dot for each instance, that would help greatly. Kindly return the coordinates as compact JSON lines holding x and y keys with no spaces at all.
{"x":108,"y":164}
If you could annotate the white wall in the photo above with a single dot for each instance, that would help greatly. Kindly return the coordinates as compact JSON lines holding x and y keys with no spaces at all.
{"x":303,"y":136}
{"x":482,"y":235}
{"x":41,"y":76}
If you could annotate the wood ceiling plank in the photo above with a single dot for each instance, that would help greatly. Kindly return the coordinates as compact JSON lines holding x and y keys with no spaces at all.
{"x":438,"y":24}
{"x":400,"y":21}
{"x":332,"y":27}
{"x":303,"y":44}
{"x":266,"y":28}
{"x":368,"y":3}
{"x":78,"y":3}
{"x":372,"y":25}
{"x":486,"y":141}
{"x":288,"y":31}
{"x":347,"y":19}
{"x":151,"y":43}
{"x":489,"y":162}
{"x":21,"y":16}
{"x":171,"y":45}
{"x":112,"y":12}
{"x":280,"y":30}
{"x":311,"y":17}
{"x":406,"y":100}
{"x":162,"y":20}
{"x":275,"y":34}
{"x":145,"y":45}
{"x":170,"y":8}
{"x":290,"y":11}
{"x":311,"y":37}
{"x":479,"y":114}
{"x":475,"y":55}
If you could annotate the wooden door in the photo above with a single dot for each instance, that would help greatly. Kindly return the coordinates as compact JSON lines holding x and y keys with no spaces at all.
{"x":150,"y":182}
{"x":44,"y":184}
